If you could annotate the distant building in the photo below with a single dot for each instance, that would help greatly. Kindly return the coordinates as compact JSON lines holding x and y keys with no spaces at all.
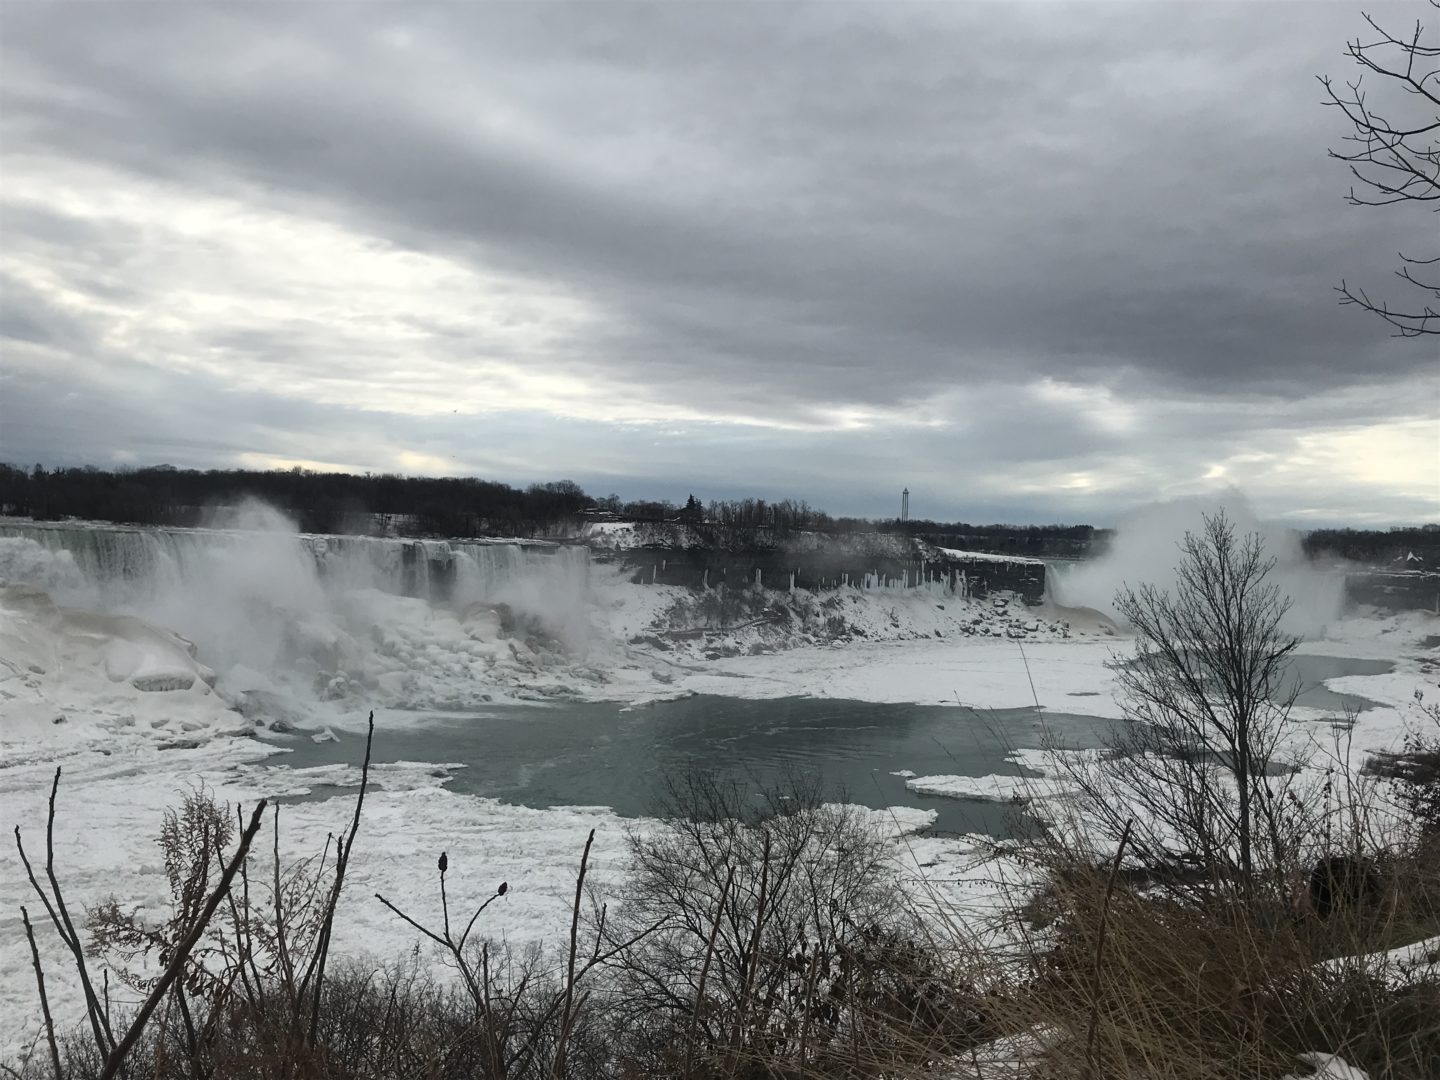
{"x":905,"y":505}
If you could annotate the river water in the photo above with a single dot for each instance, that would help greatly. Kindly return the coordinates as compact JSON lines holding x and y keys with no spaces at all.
{"x":600,"y":754}
{"x":604,"y":754}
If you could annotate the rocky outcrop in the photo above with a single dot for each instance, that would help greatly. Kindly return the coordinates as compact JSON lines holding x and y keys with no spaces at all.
{"x":697,"y":557}
{"x":1412,"y":590}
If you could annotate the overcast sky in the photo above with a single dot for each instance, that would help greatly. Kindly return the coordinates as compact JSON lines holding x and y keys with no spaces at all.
{"x":1033,"y":262}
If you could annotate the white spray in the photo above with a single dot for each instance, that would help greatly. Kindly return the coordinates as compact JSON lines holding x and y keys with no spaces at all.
{"x":1146,"y":550}
{"x":270,"y":609}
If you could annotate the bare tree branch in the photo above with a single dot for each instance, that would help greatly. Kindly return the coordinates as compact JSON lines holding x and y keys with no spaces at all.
{"x":177,"y":962}
{"x":1393,"y":161}
{"x":44,"y":1000}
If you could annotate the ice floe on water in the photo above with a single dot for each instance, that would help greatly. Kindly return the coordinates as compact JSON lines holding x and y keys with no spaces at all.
{"x":989,"y":788}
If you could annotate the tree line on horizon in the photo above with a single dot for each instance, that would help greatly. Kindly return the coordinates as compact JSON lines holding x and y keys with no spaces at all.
{"x":439,"y":506}
{"x":469,"y":506}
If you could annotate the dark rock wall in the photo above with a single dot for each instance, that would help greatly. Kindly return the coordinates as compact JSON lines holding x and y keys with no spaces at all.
{"x":1416,"y":590}
{"x":697,"y":567}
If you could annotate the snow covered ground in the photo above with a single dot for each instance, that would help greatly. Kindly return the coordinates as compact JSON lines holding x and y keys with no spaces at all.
{"x":136,"y":717}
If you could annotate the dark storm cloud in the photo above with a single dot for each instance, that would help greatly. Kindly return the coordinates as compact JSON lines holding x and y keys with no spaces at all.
{"x":773,"y":211}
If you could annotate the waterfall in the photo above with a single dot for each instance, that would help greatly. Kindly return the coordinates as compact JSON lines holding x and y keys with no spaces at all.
{"x":327,"y":617}
{"x":120,"y":558}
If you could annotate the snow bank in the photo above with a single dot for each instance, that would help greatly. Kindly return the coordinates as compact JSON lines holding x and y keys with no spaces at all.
{"x":975,"y":673}
{"x":70,"y":680}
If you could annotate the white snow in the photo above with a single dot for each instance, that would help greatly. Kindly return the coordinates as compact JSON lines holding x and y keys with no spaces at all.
{"x":79,"y":680}
{"x":989,"y":788}
{"x":983,"y":556}
{"x":979,"y":673}
{"x":110,"y":808}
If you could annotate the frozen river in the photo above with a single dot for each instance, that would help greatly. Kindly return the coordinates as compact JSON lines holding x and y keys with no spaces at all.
{"x":602,"y":754}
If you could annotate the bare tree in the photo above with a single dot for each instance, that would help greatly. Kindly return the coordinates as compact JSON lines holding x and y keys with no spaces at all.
{"x":785,"y":947}
{"x":1207,"y":701}
{"x":1395,"y":158}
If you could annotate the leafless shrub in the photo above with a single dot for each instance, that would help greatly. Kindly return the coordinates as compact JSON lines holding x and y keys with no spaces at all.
{"x":203,"y":974}
{"x":785,"y":946}
{"x":1414,"y":772}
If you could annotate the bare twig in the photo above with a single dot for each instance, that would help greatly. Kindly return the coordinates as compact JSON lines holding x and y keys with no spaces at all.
{"x":1392,"y":161}
{"x":287,"y":967}
{"x":59,"y":914}
{"x":567,"y":1015}
{"x":752,"y":960}
{"x":705,"y":969}
{"x":343,"y":849}
{"x":44,"y":1001}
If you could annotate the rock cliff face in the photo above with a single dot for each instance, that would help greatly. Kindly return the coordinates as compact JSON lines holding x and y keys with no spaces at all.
{"x":1405,"y":590}
{"x":713,"y":624}
{"x":698,"y":556}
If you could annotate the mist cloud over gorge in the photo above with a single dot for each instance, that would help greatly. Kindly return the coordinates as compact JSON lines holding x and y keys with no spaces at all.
{"x":1031,"y":261}
{"x":1145,"y":550}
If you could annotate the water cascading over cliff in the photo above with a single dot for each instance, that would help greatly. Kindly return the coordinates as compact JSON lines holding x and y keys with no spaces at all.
{"x":120,"y":559}
{"x":327,"y":616}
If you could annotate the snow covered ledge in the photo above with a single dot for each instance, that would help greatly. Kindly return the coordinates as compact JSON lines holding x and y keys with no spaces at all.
{"x":71,"y":679}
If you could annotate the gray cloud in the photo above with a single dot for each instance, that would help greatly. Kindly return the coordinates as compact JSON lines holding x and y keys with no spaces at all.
{"x":782,"y":212}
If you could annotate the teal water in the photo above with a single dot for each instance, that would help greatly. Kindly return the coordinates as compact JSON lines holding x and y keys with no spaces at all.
{"x":1310,"y":672}
{"x":604,"y":754}
{"x":589,"y":754}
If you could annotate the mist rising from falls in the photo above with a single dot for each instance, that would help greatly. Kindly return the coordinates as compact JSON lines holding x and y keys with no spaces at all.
{"x":413,"y":621}
{"x":1146,"y":550}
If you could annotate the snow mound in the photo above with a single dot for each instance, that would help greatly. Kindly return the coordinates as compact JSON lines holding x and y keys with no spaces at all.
{"x":72,"y":678}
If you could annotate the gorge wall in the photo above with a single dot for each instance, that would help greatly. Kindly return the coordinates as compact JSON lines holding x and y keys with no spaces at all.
{"x":698,"y":556}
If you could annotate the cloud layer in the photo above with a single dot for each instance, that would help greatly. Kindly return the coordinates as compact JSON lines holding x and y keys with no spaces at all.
{"x":1033,"y":261}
